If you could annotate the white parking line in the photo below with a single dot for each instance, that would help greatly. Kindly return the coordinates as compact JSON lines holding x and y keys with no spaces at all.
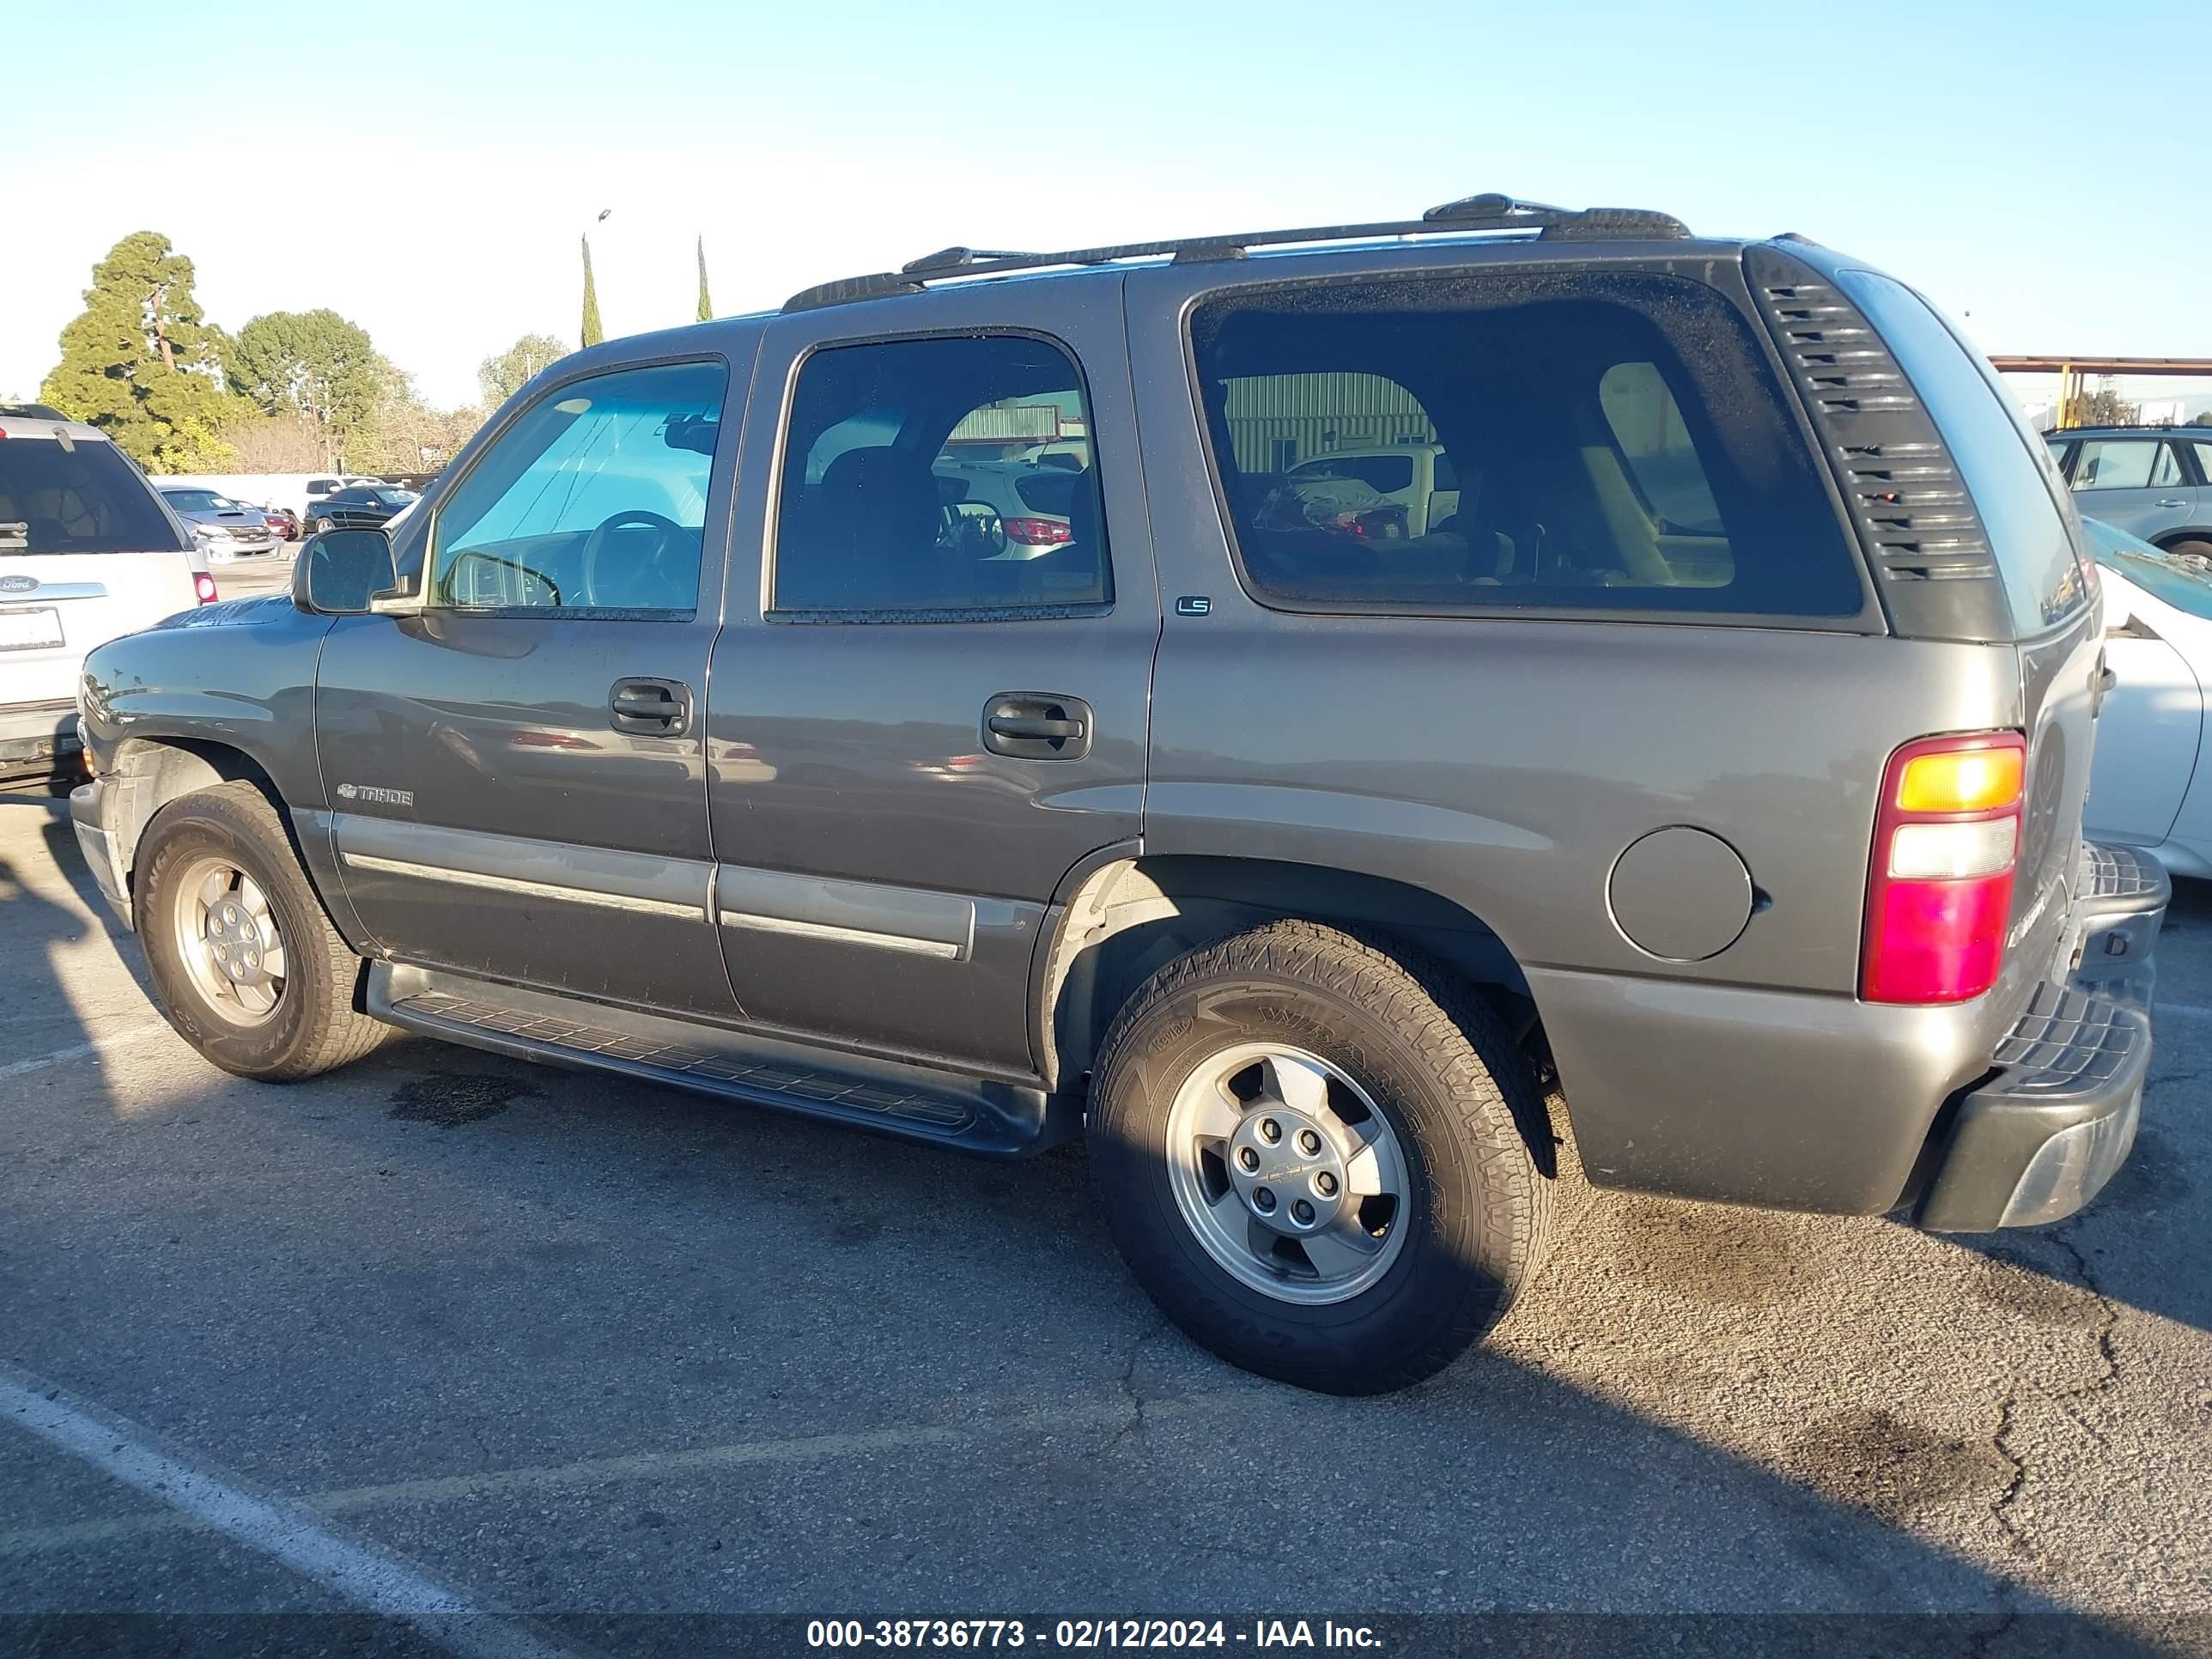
{"x":82,"y":1050}
{"x":664,"y":1465}
{"x":369,"y":1579}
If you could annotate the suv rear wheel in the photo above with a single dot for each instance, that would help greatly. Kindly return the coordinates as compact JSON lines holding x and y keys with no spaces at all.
{"x":1323,"y":1159}
{"x":250,"y":972}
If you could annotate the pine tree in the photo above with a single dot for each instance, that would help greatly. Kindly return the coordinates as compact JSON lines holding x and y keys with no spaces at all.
{"x":593,"y":333}
{"x":706,"y":306}
{"x":142,"y":364}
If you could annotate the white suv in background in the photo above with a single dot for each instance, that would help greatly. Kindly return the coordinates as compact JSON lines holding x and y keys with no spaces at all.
{"x":1417,"y":476}
{"x":88,"y":551}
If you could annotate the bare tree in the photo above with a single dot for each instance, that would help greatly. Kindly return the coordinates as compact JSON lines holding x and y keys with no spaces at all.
{"x":287,"y":441}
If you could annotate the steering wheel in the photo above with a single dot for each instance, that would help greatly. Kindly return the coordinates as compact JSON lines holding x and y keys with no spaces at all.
{"x":668,"y":530}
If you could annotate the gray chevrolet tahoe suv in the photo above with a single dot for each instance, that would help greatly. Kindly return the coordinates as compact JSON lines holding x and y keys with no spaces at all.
{"x":1702,"y":793}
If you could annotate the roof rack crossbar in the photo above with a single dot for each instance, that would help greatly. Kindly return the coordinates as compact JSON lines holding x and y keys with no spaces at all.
{"x":1485,"y":212}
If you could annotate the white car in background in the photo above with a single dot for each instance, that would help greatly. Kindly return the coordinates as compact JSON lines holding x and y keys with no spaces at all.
{"x":2151,"y":783}
{"x":88,"y":552}
{"x":1417,"y":477}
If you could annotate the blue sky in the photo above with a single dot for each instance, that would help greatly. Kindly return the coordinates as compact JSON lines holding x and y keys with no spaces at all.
{"x":1997,"y":155}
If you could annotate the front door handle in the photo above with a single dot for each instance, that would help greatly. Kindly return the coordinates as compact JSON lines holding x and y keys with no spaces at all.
{"x":650,"y":709}
{"x":2169,"y":503}
{"x":1037,"y":725}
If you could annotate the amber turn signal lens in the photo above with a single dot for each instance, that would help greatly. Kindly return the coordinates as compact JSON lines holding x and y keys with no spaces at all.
{"x":1962,"y":781}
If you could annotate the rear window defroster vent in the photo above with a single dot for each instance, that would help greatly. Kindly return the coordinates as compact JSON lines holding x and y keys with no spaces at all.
{"x":1910,"y":507}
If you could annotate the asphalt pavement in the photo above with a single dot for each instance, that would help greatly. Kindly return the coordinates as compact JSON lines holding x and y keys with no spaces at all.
{"x":531,"y":1361}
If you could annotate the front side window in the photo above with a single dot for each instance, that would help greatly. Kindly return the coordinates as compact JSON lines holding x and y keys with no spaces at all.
{"x":915,"y":483}
{"x":2108,"y":464}
{"x":594,"y":500}
{"x":1619,"y":446}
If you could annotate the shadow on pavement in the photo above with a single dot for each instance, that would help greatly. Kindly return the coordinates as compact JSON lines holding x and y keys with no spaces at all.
{"x":443,"y":1263}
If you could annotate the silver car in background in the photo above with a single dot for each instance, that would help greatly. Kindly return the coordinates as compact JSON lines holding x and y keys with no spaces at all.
{"x":224,"y":528}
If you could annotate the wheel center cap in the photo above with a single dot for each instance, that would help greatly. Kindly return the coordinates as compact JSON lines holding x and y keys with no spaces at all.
{"x":1288,"y":1170}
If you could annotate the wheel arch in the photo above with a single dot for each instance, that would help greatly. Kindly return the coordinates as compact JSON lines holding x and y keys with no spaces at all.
{"x":1121,"y":914}
{"x":147,"y":774}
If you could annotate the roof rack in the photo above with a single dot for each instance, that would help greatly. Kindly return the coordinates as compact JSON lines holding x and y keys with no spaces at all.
{"x":1487,"y":212}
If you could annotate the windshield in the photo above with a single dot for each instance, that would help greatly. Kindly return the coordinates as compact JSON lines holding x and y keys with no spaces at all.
{"x":84,"y":498}
{"x":393,"y":497}
{"x":199,"y":500}
{"x":2183,"y":583}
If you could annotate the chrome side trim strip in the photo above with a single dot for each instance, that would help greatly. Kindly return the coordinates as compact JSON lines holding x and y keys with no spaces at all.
{"x":942,"y":949}
{"x":857,"y":912}
{"x":536,"y":889}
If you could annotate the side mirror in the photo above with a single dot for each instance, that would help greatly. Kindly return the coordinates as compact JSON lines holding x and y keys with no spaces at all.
{"x":339,"y":572}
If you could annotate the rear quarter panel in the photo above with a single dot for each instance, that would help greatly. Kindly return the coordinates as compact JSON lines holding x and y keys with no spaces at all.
{"x":1507,"y":763}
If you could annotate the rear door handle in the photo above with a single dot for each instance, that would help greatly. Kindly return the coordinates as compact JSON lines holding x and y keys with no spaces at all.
{"x":650,"y":709}
{"x":1037,"y":725}
{"x":2169,"y":503}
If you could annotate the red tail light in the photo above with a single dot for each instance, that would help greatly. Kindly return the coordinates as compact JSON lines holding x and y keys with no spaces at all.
{"x":204,"y":586}
{"x":1038,"y":532}
{"x":1939,"y":897}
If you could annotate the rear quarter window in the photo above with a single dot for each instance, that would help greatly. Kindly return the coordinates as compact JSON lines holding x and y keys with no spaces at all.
{"x":2007,"y":468}
{"x":1617,"y":443}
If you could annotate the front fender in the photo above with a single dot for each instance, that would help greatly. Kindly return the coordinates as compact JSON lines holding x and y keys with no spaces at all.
{"x":238,"y":675}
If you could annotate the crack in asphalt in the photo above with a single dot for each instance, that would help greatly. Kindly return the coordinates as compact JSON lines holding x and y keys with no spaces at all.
{"x":2107,"y":1375}
{"x":2001,"y":1505}
{"x":1982,"y":1643}
{"x":1126,"y":1384}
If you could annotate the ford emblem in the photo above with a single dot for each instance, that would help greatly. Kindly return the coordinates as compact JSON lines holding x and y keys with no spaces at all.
{"x":17,"y":584}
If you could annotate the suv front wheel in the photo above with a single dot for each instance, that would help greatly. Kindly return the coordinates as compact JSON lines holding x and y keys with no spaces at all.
{"x":1325,"y":1160}
{"x":251,"y":974}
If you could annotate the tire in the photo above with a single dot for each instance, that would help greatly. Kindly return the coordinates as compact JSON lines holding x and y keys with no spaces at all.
{"x":322,"y":524}
{"x":1391,"y":1036}
{"x":2192,"y":549}
{"x":310,"y":1026}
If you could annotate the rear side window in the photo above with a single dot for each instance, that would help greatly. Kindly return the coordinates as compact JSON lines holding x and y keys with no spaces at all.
{"x":84,"y":497}
{"x":2203,"y":461}
{"x":877,"y":517}
{"x":2008,"y":469}
{"x":2104,"y":465}
{"x":1616,"y":443}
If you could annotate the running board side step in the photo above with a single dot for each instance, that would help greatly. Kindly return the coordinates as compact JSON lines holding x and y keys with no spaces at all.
{"x":893,"y":1097}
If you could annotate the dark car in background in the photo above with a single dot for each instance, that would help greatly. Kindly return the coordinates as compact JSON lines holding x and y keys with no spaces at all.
{"x":361,"y":507}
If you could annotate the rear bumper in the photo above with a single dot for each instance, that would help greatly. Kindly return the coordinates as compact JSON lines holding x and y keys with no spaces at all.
{"x":34,"y":735}
{"x":2038,"y":1139}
